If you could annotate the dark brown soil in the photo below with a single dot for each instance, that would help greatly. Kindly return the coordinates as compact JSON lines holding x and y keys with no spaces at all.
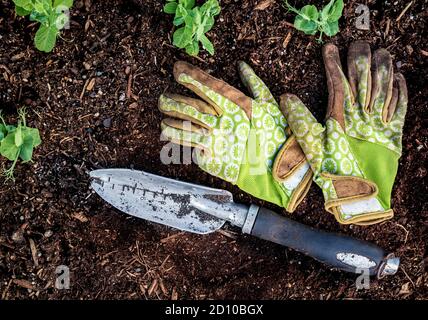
{"x":112,"y":255}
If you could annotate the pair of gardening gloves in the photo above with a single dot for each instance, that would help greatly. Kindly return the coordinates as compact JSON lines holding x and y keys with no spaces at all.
{"x":275,"y":151}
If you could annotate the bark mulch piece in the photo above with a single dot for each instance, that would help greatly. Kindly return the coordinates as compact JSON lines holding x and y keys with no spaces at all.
{"x":94,"y":100}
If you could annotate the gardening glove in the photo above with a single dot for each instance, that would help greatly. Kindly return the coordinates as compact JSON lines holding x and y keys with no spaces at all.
{"x":237,"y":138}
{"x":354,"y":157}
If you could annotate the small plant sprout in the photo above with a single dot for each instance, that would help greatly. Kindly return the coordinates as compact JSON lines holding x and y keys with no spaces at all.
{"x":52,"y":16}
{"x":310,"y":20}
{"x":197,"y":22}
{"x":17,"y":142}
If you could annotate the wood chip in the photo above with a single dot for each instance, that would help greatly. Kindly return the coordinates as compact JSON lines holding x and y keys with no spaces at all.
{"x":18,"y":56}
{"x":133,"y":105}
{"x":129,"y":89}
{"x":263,"y":5}
{"x":289,"y":24}
{"x":142,"y":289}
{"x":171,"y":237}
{"x":4,"y":294}
{"x":23,"y":283}
{"x":404,"y":11}
{"x":174,"y":294}
{"x":286,"y":40}
{"x":153,"y":287}
{"x":88,"y":24}
{"x":163,"y":288}
{"x":405,"y":289}
{"x":2,"y":66}
{"x":80,"y":216}
{"x":425,"y":53}
{"x":91,"y":84}
{"x":227,"y":234}
{"x":7,"y":245}
{"x":388,"y":23}
{"x":84,"y":89}
{"x":164,"y":261}
{"x":48,"y":285}
{"x":34,"y":252}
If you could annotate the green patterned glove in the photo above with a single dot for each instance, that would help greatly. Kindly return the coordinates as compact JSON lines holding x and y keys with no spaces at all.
{"x":355,"y":156}
{"x":238,"y":139}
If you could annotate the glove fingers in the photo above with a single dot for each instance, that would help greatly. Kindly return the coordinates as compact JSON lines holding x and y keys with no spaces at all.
{"x":402,"y":99}
{"x":382,"y":88}
{"x":359,"y":75}
{"x":186,"y":108}
{"x":215,"y":92}
{"x":254,"y":84}
{"x":183,"y":132}
{"x":308,"y":132}
{"x":339,"y":92}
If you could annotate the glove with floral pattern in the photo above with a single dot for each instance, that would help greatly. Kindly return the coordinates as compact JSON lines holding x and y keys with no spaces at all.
{"x":238,"y":139}
{"x":355,"y":156}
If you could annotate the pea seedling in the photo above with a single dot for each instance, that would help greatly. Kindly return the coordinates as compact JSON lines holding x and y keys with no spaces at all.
{"x":197,"y":21}
{"x":310,"y":20}
{"x":51,"y":16}
{"x":17,"y":142}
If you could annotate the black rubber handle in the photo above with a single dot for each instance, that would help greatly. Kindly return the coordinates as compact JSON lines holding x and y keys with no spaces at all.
{"x":338,"y":251}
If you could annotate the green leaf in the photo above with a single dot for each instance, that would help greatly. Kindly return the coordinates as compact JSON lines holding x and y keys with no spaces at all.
{"x":199,"y":28}
{"x":182,"y":37}
{"x":24,"y":4}
{"x":196,"y":15}
{"x":331,"y":28}
{"x":209,"y":23}
{"x":310,"y":12}
{"x":39,"y":17}
{"x":45,"y":38}
{"x":180,"y":14}
{"x":197,"y":21}
{"x":47,"y":4}
{"x":10,"y":128}
{"x":65,"y":3}
{"x":193,"y":48}
{"x":178,"y":21}
{"x":26,"y":152}
{"x":8,"y":149}
{"x":336,"y":11}
{"x":19,"y":140}
{"x":3,"y":130}
{"x":34,"y":134}
{"x":207,"y":44}
{"x":325,"y":12}
{"x":21,"y":11}
{"x":170,"y":7}
{"x":39,"y":7}
{"x":211,"y":8}
{"x":188,"y":4}
{"x":307,"y":26}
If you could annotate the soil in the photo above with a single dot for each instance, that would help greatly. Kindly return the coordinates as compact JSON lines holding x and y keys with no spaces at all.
{"x":121,"y":52}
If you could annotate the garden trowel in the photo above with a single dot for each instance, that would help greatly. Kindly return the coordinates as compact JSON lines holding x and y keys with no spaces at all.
{"x":198,"y":209}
